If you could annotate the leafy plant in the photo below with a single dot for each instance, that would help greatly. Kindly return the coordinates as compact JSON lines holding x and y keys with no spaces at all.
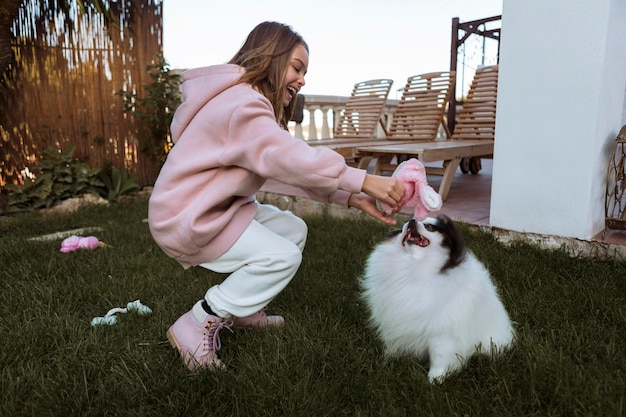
{"x":118,"y":182}
{"x":57,"y":176}
{"x":154,"y":111}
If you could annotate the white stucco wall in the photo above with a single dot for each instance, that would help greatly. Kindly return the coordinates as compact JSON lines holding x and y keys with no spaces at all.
{"x":561,"y":101}
{"x":624,"y":112}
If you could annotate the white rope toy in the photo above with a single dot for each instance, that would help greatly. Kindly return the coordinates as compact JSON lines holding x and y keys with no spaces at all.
{"x":110,"y":318}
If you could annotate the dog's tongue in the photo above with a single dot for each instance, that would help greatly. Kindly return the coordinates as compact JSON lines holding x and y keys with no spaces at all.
{"x":418,"y":240}
{"x":412,"y":236}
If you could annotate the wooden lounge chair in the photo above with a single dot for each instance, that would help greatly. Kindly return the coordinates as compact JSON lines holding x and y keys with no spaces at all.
{"x":418,"y":117}
{"x":361,"y":115}
{"x":421,"y":110}
{"x":473,"y":135}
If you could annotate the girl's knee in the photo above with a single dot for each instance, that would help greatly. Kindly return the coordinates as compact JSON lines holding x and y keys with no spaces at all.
{"x":294,"y":257}
{"x":302,"y":231}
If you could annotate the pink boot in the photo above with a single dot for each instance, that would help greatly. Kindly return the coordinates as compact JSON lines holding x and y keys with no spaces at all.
{"x":198,"y":343}
{"x":258,"y":319}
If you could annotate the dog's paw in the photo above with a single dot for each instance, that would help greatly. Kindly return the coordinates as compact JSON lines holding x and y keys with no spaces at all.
{"x":436,"y":375}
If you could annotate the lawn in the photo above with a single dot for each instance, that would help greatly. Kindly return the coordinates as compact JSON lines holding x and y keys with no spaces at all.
{"x":569,"y":358}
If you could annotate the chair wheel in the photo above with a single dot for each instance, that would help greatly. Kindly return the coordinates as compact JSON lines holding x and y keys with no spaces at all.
{"x":465,"y":165}
{"x":475,"y":165}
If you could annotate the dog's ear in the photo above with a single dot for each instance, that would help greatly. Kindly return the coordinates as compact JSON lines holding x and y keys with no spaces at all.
{"x":453,"y":240}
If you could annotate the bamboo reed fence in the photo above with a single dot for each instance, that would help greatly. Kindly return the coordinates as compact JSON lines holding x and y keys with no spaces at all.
{"x":62,"y":88}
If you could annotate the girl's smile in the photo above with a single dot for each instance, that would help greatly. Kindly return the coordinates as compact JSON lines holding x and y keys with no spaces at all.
{"x":297,"y":69}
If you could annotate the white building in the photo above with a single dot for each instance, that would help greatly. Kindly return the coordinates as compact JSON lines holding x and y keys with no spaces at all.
{"x":561,"y":102}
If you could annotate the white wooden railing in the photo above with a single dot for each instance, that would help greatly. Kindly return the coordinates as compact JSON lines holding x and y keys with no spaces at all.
{"x":321,"y":113}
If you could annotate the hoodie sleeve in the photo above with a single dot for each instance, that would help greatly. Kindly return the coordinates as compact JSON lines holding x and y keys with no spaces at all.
{"x":340,"y":197}
{"x":257,"y":143}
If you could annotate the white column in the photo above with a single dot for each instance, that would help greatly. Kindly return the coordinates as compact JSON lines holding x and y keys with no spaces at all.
{"x":298,"y":131}
{"x":325,"y":125}
{"x":312,"y":126}
{"x":560,"y":104}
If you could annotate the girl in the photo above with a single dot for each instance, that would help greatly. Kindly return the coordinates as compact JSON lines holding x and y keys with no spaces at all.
{"x":230,"y":136}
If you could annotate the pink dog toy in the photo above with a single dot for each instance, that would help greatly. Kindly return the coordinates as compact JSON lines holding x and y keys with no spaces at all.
{"x":418,"y":194}
{"x":73,"y":243}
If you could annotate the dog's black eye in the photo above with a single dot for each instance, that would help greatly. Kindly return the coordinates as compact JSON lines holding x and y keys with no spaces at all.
{"x":429,"y":227}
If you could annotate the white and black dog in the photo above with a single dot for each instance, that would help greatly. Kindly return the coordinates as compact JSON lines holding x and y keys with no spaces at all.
{"x":429,"y":296}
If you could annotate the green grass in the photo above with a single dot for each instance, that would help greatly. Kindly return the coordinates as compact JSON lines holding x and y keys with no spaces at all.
{"x":569,"y":359}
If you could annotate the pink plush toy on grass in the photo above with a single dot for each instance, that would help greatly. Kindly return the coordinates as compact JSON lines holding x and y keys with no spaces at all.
{"x":73,"y":243}
{"x":418,"y":194}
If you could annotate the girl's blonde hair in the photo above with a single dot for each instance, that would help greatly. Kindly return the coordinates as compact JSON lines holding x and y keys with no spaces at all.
{"x":265,"y":56}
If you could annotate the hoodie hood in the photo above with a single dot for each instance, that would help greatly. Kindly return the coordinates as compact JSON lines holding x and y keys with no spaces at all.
{"x":200,"y":85}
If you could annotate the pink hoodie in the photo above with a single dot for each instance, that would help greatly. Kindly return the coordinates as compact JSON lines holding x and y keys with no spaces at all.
{"x":227,"y":144}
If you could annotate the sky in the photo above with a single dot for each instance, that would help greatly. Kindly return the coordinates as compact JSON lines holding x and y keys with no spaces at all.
{"x":349,"y":40}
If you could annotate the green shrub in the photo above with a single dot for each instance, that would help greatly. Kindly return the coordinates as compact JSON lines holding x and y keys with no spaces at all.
{"x":57,"y":176}
{"x":118,"y":182}
{"x":155,"y":110}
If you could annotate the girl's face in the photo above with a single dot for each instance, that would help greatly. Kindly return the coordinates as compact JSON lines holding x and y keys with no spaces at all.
{"x":294,"y":79}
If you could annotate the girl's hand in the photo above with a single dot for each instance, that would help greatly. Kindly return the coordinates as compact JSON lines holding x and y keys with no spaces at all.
{"x":367,"y":204}
{"x":385,"y":189}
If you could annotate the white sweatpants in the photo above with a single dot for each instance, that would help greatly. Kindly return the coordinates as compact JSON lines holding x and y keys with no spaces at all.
{"x":261,"y":263}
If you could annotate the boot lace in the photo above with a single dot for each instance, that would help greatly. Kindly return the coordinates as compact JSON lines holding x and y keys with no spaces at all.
{"x":212,"y":340}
